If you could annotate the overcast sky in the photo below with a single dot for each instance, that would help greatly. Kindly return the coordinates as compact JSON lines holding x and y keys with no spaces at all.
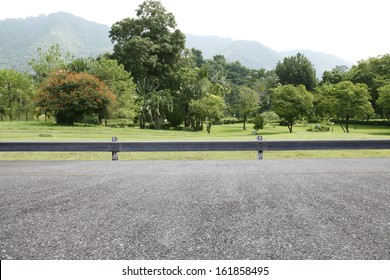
{"x":353,"y":30}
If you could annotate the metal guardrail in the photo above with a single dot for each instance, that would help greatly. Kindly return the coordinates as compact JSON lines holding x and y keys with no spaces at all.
{"x":175,"y":146}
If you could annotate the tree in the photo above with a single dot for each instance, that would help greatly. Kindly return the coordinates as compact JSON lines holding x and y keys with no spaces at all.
{"x":74,"y":96}
{"x":197,"y":57}
{"x":186,"y":89}
{"x":248,"y":103}
{"x":16,"y":91}
{"x":209,"y":108}
{"x":120,"y":83}
{"x":383,"y":100}
{"x":153,"y":103}
{"x":344,"y":101}
{"x":148,"y":46}
{"x":336,"y":75}
{"x":375,"y":73}
{"x":49,"y":61}
{"x":158,"y":103}
{"x":297,"y":70}
{"x":113,"y":75}
{"x":291,"y":103}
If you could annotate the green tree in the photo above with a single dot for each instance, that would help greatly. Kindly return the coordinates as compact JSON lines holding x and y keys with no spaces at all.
{"x":158,"y":103}
{"x":335,"y":76}
{"x":149,"y":46}
{"x":114,"y":76}
{"x":145,"y":88}
{"x":197,"y":57}
{"x":383,"y":100}
{"x":375,"y":73}
{"x":297,"y":70}
{"x":248,"y":103}
{"x":16,"y":91}
{"x":291,"y":103}
{"x":209,"y":108}
{"x":154,"y":104}
{"x":196,"y":84}
{"x":48,"y":61}
{"x":344,"y":101}
{"x":120,"y":83}
{"x":323,"y":106}
{"x":263,"y":82}
{"x":74,"y":96}
{"x":187,"y":78}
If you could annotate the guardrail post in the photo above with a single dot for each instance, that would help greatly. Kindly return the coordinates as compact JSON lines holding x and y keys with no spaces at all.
{"x":115,"y":153}
{"x":259,"y":153}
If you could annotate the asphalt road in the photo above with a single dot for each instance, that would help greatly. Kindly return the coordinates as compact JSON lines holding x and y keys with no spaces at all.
{"x":282,"y":209}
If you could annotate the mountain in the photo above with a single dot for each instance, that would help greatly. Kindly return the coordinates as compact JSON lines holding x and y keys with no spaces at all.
{"x":250,"y":53}
{"x":255,"y":55}
{"x":20,"y":39}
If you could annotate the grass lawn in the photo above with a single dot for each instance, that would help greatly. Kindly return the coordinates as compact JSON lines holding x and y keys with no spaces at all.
{"x":34,"y":131}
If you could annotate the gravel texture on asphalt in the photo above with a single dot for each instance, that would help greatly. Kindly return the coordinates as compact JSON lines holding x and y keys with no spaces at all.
{"x":282,"y":209}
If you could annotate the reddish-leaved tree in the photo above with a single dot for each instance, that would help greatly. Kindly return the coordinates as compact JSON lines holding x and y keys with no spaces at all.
{"x":74,"y":96}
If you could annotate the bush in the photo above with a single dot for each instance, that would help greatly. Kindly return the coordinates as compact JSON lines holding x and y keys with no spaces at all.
{"x":176,"y":117}
{"x":230,"y":121}
{"x":259,"y":122}
{"x":319,"y":128}
{"x":120,"y":124}
{"x":91,"y":119}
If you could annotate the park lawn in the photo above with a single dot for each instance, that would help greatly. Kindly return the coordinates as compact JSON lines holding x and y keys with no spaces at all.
{"x":34,"y":131}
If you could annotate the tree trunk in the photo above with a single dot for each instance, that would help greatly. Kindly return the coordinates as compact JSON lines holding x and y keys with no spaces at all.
{"x":244,"y":122}
{"x":208,"y":127}
{"x":290,"y":126}
{"x":141,"y":121}
{"x":187,"y":119}
{"x":347,"y":123}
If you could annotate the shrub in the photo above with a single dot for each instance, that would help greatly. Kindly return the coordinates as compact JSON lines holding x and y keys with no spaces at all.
{"x":230,"y":121}
{"x":259,"y":122}
{"x":319,"y":128}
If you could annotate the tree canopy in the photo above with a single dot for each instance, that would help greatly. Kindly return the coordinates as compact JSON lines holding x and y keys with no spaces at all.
{"x":16,"y":90}
{"x":375,"y":73}
{"x":344,"y":101}
{"x":297,"y":70}
{"x":291,"y":103}
{"x":383,"y":100}
{"x":74,"y":96}
{"x":149,"y":46}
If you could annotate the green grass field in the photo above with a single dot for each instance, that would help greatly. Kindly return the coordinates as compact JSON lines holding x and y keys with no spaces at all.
{"x":34,"y":131}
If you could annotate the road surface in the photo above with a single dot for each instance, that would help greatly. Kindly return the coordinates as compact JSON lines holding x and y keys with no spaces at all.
{"x":281,"y":209}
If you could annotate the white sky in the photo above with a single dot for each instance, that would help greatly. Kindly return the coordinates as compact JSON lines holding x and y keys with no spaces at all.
{"x":353,"y":30}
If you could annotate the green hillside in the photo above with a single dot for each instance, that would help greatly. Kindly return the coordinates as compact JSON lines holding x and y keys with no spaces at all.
{"x":22,"y":37}
{"x":255,"y":55}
